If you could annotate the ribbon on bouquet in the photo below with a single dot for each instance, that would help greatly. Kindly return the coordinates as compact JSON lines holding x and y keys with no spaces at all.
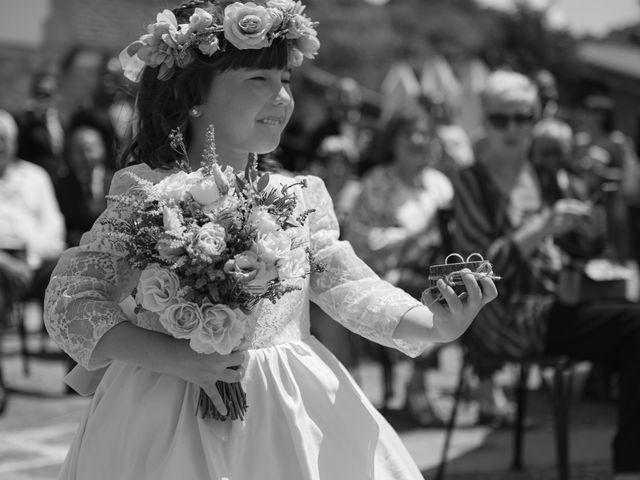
{"x":451,"y":273}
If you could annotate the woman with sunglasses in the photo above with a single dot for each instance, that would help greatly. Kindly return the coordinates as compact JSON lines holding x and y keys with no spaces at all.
{"x":500,"y":209}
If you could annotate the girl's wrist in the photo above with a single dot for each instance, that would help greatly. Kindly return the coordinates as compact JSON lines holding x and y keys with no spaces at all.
{"x":417,"y":323}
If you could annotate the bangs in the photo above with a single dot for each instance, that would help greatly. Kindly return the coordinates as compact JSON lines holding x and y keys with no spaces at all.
{"x":275,"y":56}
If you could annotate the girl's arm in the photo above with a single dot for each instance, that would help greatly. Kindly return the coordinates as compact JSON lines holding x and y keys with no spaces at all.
{"x":352,"y":294}
{"x":162,"y":353}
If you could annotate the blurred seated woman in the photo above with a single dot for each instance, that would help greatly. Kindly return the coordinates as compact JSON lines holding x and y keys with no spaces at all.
{"x":551,"y":155}
{"x":396,"y":224}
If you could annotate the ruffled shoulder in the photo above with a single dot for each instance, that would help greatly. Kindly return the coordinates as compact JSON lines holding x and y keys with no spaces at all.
{"x":316,"y":197}
{"x":127,"y":177}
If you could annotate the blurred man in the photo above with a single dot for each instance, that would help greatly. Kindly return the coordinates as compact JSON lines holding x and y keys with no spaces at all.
{"x":31,"y":227}
{"x":41,"y":135}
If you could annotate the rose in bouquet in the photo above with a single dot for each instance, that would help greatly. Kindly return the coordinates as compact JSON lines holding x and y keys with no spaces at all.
{"x":211,"y":244}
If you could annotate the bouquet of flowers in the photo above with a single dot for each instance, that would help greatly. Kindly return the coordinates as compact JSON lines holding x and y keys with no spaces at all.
{"x":211,"y":244}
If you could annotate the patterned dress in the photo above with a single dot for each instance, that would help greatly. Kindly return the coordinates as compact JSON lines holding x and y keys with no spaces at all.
{"x":307,"y":418}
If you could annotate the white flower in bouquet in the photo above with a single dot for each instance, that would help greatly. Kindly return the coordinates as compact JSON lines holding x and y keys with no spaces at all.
{"x":262,"y":221}
{"x":157,"y":288}
{"x":221,"y":178}
{"x":272,"y":246}
{"x":221,"y":331}
{"x":205,"y":192}
{"x":294,"y":265}
{"x":210,"y":240}
{"x":173,"y":187}
{"x":251,"y":271}
{"x":182,"y":320}
{"x":212,"y":244}
{"x":171,"y":220}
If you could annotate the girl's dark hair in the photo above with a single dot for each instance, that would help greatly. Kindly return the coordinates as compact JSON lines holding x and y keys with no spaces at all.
{"x":163,"y":105}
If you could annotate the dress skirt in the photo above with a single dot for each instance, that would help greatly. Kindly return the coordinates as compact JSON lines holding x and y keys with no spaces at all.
{"x":307,"y":420}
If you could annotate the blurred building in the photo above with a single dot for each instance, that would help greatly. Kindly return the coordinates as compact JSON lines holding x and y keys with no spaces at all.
{"x":78,"y":37}
{"x":17,"y":62}
{"x":613,"y":68}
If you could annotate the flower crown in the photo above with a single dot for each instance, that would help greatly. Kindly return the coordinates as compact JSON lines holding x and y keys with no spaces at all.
{"x":169,"y":44}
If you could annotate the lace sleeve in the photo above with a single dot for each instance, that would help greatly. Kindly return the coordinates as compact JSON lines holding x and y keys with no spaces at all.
{"x":348,"y":290}
{"x":81,"y":302}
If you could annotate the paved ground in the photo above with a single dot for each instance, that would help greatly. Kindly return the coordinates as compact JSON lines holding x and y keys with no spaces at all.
{"x":41,"y":420}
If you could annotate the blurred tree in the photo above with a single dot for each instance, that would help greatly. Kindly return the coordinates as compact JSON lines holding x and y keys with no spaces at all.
{"x":362,"y":40}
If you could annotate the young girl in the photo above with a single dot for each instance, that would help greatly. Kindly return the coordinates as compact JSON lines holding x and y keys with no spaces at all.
{"x":307,"y":419}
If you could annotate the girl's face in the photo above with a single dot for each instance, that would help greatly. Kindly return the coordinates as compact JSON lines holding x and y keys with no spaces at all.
{"x":249,"y":109}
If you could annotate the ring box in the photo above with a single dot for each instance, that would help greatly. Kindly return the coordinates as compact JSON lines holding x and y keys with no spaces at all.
{"x":442,"y":270}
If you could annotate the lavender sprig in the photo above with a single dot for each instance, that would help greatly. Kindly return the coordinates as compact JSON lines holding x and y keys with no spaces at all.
{"x":209,"y":156}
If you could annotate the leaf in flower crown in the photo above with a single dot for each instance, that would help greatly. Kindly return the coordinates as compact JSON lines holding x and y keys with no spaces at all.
{"x":247,"y":170}
{"x":253,"y":174}
{"x":263,"y":182}
{"x":240,"y":183}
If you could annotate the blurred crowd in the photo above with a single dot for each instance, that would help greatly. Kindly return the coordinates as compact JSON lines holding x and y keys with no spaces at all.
{"x":549,"y":194}
{"x":543,"y":191}
{"x":54,"y":176}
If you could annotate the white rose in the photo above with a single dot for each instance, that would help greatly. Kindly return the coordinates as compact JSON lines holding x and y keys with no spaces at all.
{"x":248,"y":269}
{"x":181,"y":320}
{"x":263,"y":221}
{"x":246,"y":25}
{"x":210,"y":240}
{"x":294,"y":265}
{"x":205,"y":192}
{"x":157,"y":288}
{"x":222,"y":329}
{"x":173,"y":187}
{"x":272,"y":246}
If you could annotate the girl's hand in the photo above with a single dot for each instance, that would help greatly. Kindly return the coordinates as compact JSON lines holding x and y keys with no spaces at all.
{"x":206,"y":369}
{"x":454,"y":317}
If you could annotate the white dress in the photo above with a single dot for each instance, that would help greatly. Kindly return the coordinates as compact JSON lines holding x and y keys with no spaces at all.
{"x":307,"y":418}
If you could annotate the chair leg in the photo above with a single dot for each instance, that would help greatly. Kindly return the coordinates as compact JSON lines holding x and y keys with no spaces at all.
{"x":521,"y":409}
{"x":3,"y":389}
{"x":451,"y":422}
{"x":19,"y":311}
{"x":560,"y":388}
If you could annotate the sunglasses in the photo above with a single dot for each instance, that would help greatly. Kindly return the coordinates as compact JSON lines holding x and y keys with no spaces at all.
{"x":501,"y":120}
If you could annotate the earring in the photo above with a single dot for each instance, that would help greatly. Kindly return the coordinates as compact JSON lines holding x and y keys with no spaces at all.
{"x":195,"y":111}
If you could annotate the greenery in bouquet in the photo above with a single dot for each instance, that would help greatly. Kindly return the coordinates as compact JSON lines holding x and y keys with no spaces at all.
{"x":211,"y":244}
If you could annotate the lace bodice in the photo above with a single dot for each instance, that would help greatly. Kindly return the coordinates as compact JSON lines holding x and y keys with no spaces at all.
{"x":90,"y":282}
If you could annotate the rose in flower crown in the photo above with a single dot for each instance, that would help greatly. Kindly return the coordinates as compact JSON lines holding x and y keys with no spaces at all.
{"x":252,"y":25}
